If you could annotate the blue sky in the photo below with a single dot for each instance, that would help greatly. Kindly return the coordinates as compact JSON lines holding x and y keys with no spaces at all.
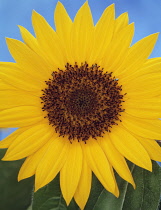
{"x":145,"y":13}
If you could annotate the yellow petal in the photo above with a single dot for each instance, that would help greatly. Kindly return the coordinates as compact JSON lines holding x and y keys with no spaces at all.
{"x":103,"y":33}
{"x":146,"y":81}
{"x":142,"y":93}
{"x":82,"y":35}
{"x":99,"y":164}
{"x":28,"y":60}
{"x":130,"y":147}
{"x":29,"y":141}
{"x":71,"y":171}
{"x":84,"y":186}
{"x":11,"y":98}
{"x":29,"y":39}
{"x":116,"y":159}
{"x":144,"y":108}
{"x":63,"y":29}
{"x":32,"y":43}
{"x":142,"y":127}
{"x":31,"y":163}
{"x":137,"y":55}
{"x":20,"y":116}
{"x":118,"y":48}
{"x":52,"y":162}
{"x":152,"y":147}
{"x":48,"y":40}
{"x":151,"y":66}
{"x":121,"y":22}
{"x":9,"y":139}
{"x":10,"y":73}
{"x":6,"y":86}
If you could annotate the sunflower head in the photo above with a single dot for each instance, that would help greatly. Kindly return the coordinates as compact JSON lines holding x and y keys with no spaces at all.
{"x":84,"y":100}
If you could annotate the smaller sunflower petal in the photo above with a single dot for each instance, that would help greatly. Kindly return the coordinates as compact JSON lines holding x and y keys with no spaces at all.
{"x":48,"y":41}
{"x":116,"y":159}
{"x":83,"y":190}
{"x":20,"y":116}
{"x":103,"y":34}
{"x":12,"y":74}
{"x":142,"y":93}
{"x":5,"y":143}
{"x":71,"y":171}
{"x":151,"y":66}
{"x":121,"y":22}
{"x":32,"y":43}
{"x":142,"y":127}
{"x":28,"y":142}
{"x":29,"y":39}
{"x":63,"y":29}
{"x":144,"y":86}
{"x":5,"y":86}
{"x":82,"y":35}
{"x":130,"y":147}
{"x":99,"y":164}
{"x":152,"y":147}
{"x":12,"y":99}
{"x":28,"y":60}
{"x":118,"y":48}
{"x":135,"y":60}
{"x":147,"y":81}
{"x":52,"y":162}
{"x":31,"y":163}
{"x":144,"y":108}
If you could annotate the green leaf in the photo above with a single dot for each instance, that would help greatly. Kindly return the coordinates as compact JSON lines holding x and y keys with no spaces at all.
{"x":146,"y":196}
{"x":50,"y":198}
{"x":14,"y":195}
{"x":148,"y":190}
{"x":108,"y":201}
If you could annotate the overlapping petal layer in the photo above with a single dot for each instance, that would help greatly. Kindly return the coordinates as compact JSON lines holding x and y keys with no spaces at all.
{"x":84,"y":186}
{"x":28,"y":142}
{"x":82,"y":37}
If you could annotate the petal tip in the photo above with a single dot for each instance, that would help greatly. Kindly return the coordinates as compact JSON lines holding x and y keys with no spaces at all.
{"x":19,"y":178}
{"x":67,"y":201}
{"x":134,"y":185}
{"x":58,"y":6}
{"x":37,"y":187}
{"x":85,"y":5}
{"x":34,"y":13}
{"x":154,"y":36}
{"x":5,"y":158}
{"x":8,"y":39}
{"x":111,"y":6}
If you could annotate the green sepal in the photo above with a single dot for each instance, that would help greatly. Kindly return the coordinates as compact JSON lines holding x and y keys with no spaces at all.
{"x":14,"y":195}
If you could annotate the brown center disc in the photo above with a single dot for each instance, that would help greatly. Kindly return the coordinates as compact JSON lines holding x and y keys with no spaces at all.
{"x":82,"y":102}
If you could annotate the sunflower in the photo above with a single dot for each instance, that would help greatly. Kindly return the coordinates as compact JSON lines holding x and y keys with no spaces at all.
{"x":84,"y":101}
